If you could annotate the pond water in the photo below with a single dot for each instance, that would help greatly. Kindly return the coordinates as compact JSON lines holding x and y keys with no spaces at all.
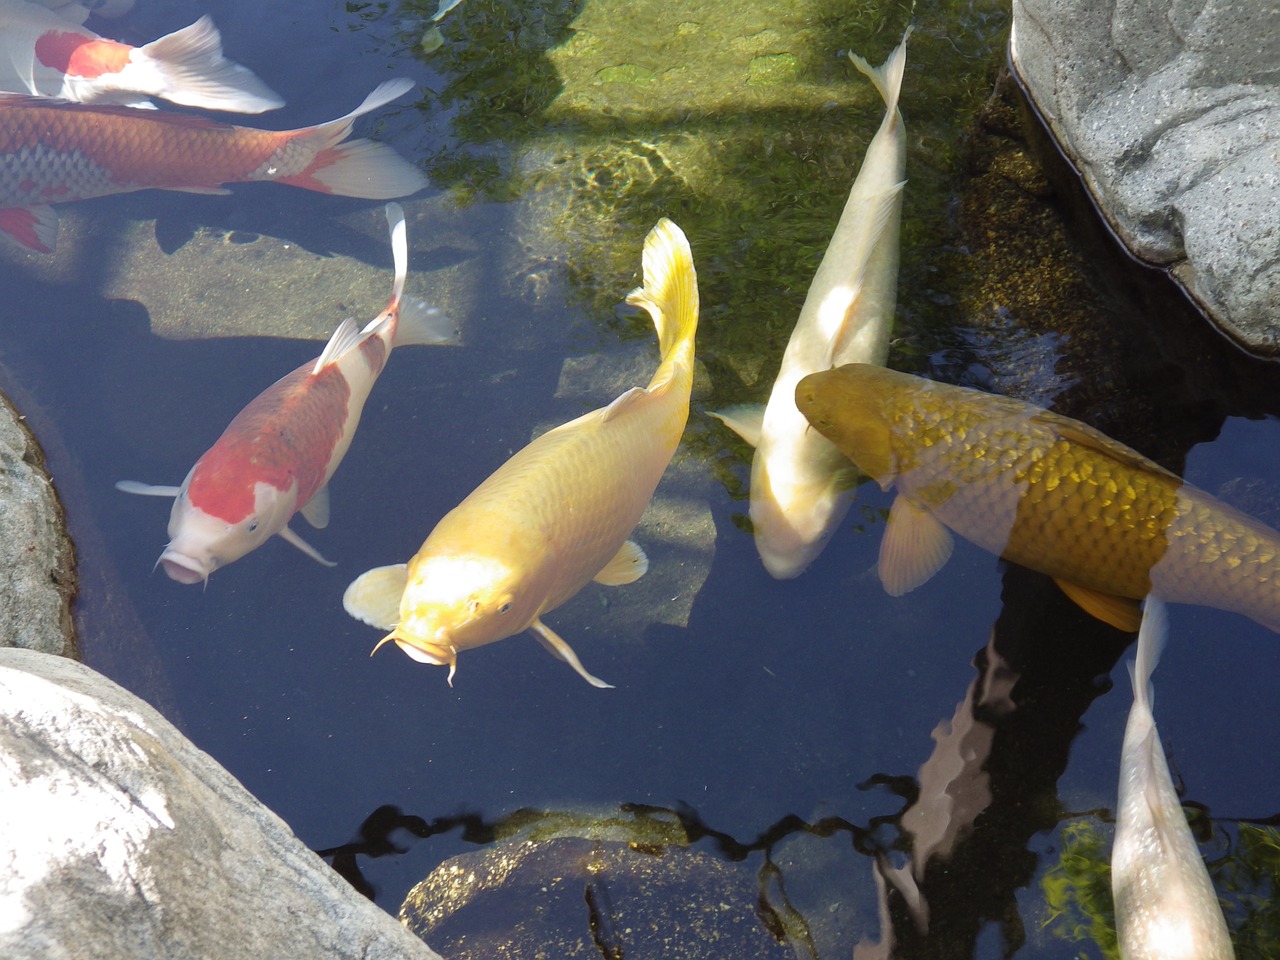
{"x":817,"y":723}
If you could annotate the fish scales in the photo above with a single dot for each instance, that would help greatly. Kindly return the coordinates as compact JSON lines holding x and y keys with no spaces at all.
{"x":55,"y":151}
{"x":1047,"y":492}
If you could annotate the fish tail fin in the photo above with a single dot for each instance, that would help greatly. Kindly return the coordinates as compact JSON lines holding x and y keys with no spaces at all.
{"x":399,"y":250}
{"x":670,"y":291}
{"x":358,"y":168}
{"x":1151,"y":640}
{"x":888,"y":76}
{"x":416,"y":321}
{"x":187,"y":67}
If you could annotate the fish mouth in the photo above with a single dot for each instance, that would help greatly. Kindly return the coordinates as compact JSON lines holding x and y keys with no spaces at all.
{"x":182,"y":568}
{"x":434,"y":654}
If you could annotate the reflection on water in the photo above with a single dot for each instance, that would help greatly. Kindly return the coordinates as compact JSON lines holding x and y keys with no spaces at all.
{"x":779,"y":728}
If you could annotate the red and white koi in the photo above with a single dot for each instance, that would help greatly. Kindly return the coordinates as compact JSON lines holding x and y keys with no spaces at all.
{"x":276,"y":457}
{"x":52,"y":151}
{"x":43,"y":54}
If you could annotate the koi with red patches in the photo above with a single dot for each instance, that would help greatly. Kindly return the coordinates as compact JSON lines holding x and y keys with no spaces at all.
{"x":43,"y":54}
{"x":53,"y":150}
{"x":276,"y":457}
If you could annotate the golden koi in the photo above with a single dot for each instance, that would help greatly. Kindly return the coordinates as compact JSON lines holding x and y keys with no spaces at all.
{"x":801,"y":485}
{"x":43,"y":54}
{"x":276,"y":456}
{"x":52,"y":151}
{"x":1042,"y":490}
{"x":557,"y":514}
{"x":1165,"y":904}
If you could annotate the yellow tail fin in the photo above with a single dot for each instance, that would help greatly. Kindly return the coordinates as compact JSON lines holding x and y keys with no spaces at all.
{"x":670,"y":291}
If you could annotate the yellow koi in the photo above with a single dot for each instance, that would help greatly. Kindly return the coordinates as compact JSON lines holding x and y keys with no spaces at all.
{"x":1041,"y":490}
{"x":558,"y":513}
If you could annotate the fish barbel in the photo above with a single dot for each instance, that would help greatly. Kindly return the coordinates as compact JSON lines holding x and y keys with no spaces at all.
{"x":1165,"y":904}
{"x":802,"y":486}
{"x":1041,"y":490}
{"x":52,"y":151}
{"x":43,"y":54}
{"x":275,"y":458}
{"x":558,"y":513}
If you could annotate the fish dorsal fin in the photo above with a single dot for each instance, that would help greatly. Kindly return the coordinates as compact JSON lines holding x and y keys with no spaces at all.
{"x":882,"y":207}
{"x":316,"y":510}
{"x":628,"y":565}
{"x":914,"y":548}
{"x":744,"y":419}
{"x":1151,"y":640}
{"x":146,"y":489}
{"x":344,"y":338}
{"x":203,"y":191}
{"x":622,"y":403}
{"x":288,"y":536}
{"x":374,"y":596}
{"x":1086,"y":436}
{"x":1121,"y":612}
{"x":562,"y":651}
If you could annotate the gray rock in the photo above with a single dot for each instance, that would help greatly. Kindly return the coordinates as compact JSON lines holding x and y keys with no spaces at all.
{"x":38,"y":580}
{"x":120,"y":839}
{"x":1171,"y":112}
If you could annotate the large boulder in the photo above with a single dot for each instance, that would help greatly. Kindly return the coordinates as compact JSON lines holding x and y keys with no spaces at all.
{"x":1171,"y":113}
{"x":122,"y":841}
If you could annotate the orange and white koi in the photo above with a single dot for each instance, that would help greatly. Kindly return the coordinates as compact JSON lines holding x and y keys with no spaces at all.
{"x":43,"y":54}
{"x":276,"y":457}
{"x":52,"y":151}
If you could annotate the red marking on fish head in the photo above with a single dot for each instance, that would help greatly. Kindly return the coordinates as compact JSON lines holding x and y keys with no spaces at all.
{"x":80,"y":56}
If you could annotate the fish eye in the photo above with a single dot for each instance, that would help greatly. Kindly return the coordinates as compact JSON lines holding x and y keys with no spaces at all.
{"x":253,"y":524}
{"x":505,"y":607}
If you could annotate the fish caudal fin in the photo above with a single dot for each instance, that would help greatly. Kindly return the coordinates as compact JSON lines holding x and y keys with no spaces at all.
{"x":670,"y":291}
{"x":1151,"y":640}
{"x":359,"y":168}
{"x":187,"y":67}
{"x":421,"y":323}
{"x":416,"y":321}
{"x":888,"y":76}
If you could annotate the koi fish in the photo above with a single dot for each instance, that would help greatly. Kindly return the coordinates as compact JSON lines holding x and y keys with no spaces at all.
{"x":52,"y":151}
{"x":557,"y":514}
{"x":801,"y":485}
{"x":1165,"y":904}
{"x":43,"y":54}
{"x":276,"y":457}
{"x":1041,"y":490}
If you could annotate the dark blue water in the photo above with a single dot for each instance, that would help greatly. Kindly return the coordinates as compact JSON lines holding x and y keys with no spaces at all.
{"x":809,"y":699}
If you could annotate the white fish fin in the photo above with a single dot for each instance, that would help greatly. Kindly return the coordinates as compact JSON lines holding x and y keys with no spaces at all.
{"x":359,"y":168}
{"x":442,"y":8}
{"x":34,"y":228}
{"x":670,"y":291}
{"x":914,"y":548}
{"x":622,"y":403}
{"x":888,"y":76}
{"x":1152,"y":636}
{"x":374,"y":596}
{"x":744,"y":419}
{"x":146,"y":489}
{"x":344,"y":338}
{"x":399,"y":249}
{"x":316,"y":510}
{"x":1121,"y":612}
{"x":203,"y":191}
{"x":883,"y":208}
{"x":188,"y":67}
{"x":421,"y":323}
{"x":628,"y":565}
{"x":562,"y":651}
{"x":290,"y":537}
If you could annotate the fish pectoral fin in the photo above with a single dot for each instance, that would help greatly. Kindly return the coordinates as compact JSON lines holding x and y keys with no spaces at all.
{"x":562,"y":651}
{"x":290,"y":537}
{"x":316,"y":510}
{"x":744,"y":419}
{"x":1121,"y":612}
{"x":374,"y":596}
{"x":628,"y":565}
{"x":623,"y":403}
{"x":914,"y":548}
{"x":35,"y":227}
{"x":146,"y":489}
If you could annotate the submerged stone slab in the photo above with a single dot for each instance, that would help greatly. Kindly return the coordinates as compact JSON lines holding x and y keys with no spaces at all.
{"x":36,"y":555}
{"x":1171,"y":113}
{"x":123,"y":841}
